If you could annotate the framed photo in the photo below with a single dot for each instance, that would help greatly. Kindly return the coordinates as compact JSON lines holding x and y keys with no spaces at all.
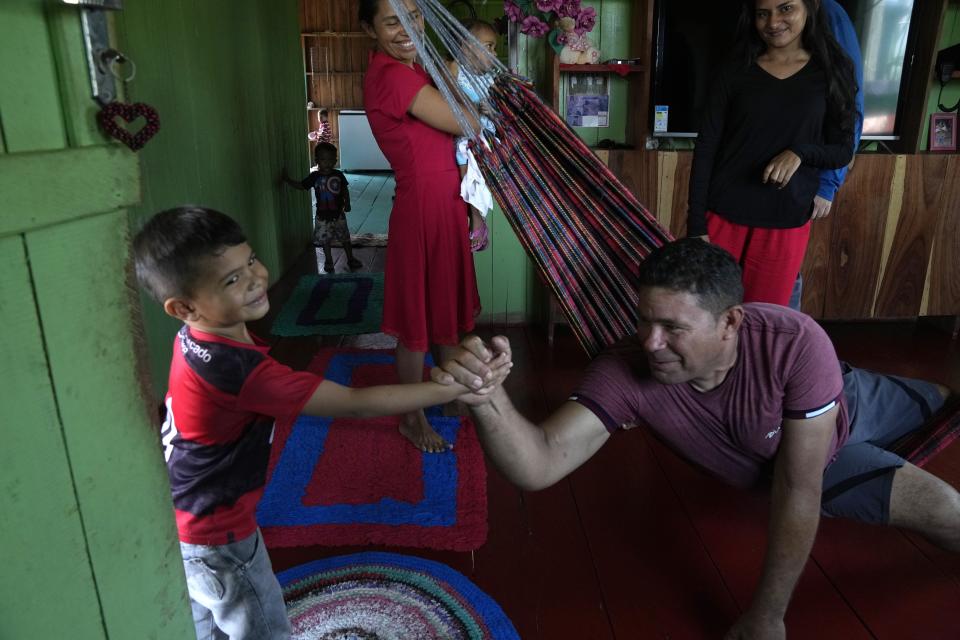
{"x":943,"y":132}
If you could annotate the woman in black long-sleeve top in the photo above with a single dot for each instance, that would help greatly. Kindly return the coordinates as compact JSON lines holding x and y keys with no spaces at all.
{"x":778,"y":113}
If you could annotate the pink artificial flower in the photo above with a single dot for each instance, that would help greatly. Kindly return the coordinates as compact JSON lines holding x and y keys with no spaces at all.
{"x":534,"y":27}
{"x":549,"y":5}
{"x":586,"y":20}
{"x":512,"y":11}
{"x":569,"y":9}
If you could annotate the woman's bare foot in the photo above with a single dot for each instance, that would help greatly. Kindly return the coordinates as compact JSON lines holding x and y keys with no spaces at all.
{"x":415,"y":428}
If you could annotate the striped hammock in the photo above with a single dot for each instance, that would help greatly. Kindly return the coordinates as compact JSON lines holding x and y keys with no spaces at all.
{"x":586,"y":233}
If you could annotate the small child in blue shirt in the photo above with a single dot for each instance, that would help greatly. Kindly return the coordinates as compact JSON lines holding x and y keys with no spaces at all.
{"x":332,"y":193}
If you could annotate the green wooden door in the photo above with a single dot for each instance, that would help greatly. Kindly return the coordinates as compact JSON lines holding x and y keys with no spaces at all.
{"x":87,"y":541}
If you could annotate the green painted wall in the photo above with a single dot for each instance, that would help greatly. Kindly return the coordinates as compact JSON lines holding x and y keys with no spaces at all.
{"x":87,"y":541}
{"x":949,"y":36}
{"x":227,"y":81}
{"x":611,"y":36}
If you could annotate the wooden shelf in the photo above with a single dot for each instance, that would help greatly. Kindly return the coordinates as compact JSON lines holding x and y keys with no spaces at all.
{"x":636,"y":76}
{"x":621,"y":69}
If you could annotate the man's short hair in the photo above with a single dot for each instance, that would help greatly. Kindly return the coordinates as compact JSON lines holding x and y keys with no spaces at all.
{"x":169,"y":250}
{"x":693,"y":266}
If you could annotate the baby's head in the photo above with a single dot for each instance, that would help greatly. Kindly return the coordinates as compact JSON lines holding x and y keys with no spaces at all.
{"x":487,"y":35}
{"x":323,"y":115}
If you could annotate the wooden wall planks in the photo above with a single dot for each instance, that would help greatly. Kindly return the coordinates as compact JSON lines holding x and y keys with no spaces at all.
{"x":890,"y":247}
{"x":944,"y":289}
{"x":856,"y":238}
{"x":335,"y":53}
{"x":905,"y":271}
{"x":329,"y":15}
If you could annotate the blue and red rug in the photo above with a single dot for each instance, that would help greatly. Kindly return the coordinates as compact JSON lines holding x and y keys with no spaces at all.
{"x":372,"y":596}
{"x":332,"y":304}
{"x":353,"y":481}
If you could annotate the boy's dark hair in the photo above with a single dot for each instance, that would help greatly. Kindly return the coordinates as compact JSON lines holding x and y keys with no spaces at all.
{"x":693,"y":266}
{"x":323,"y":148}
{"x":168,"y":250}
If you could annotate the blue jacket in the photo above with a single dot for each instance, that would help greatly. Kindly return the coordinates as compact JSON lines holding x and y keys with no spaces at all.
{"x":843,"y":31}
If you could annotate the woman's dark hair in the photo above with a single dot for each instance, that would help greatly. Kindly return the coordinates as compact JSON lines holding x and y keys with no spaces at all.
{"x":818,"y":40}
{"x":690,"y":265}
{"x":368,"y":9}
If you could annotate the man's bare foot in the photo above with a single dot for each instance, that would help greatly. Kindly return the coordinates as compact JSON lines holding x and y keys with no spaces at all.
{"x":415,"y":428}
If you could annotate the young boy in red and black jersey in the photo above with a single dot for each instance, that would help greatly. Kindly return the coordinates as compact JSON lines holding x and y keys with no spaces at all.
{"x":225,"y":393}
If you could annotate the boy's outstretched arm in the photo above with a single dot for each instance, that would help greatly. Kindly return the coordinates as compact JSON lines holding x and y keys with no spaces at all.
{"x":286,"y":179}
{"x":335,"y":400}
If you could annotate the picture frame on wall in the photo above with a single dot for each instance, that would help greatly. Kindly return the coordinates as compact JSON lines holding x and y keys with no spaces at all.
{"x":943,"y":132}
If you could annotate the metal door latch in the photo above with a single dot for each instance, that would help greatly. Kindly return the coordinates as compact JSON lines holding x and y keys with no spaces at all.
{"x":102,"y":59}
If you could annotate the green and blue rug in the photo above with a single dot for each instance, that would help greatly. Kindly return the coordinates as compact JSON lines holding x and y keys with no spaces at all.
{"x":332,"y":304}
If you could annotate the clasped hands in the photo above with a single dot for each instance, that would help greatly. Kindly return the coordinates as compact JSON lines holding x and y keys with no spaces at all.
{"x":480,"y":367}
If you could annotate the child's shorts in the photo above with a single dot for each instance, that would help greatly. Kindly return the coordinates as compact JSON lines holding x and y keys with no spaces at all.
{"x":233,"y":591}
{"x":331,"y":230}
{"x":882,"y":409}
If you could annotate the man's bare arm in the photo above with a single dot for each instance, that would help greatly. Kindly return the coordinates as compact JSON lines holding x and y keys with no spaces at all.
{"x":794,"y":518}
{"x":531,"y":456}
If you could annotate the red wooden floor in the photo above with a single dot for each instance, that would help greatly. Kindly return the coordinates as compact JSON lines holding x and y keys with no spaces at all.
{"x":638,"y":544}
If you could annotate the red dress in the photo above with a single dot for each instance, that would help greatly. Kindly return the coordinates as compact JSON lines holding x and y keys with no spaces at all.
{"x":430,"y":289}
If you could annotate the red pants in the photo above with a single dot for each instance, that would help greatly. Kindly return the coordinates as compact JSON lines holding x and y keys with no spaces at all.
{"x":770,"y":258}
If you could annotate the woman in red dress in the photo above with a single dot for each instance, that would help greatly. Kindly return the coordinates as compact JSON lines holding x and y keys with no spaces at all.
{"x":430,"y":291}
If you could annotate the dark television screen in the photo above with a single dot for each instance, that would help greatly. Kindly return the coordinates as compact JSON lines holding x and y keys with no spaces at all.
{"x":692,"y":38}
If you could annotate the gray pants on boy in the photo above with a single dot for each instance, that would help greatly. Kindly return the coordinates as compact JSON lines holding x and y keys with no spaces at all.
{"x":233,"y":591}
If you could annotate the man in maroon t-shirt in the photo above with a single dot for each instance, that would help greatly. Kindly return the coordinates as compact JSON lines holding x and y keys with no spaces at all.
{"x":749,"y":392}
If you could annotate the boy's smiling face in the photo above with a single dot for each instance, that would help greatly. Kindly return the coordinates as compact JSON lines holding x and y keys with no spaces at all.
{"x":230,"y":291}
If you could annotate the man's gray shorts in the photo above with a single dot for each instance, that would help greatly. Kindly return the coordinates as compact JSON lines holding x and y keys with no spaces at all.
{"x":882,"y":409}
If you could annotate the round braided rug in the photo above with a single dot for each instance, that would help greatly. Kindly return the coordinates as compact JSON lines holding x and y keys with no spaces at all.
{"x":388,"y":596}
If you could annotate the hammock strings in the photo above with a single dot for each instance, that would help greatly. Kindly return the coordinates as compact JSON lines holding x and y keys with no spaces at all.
{"x":585,"y":232}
